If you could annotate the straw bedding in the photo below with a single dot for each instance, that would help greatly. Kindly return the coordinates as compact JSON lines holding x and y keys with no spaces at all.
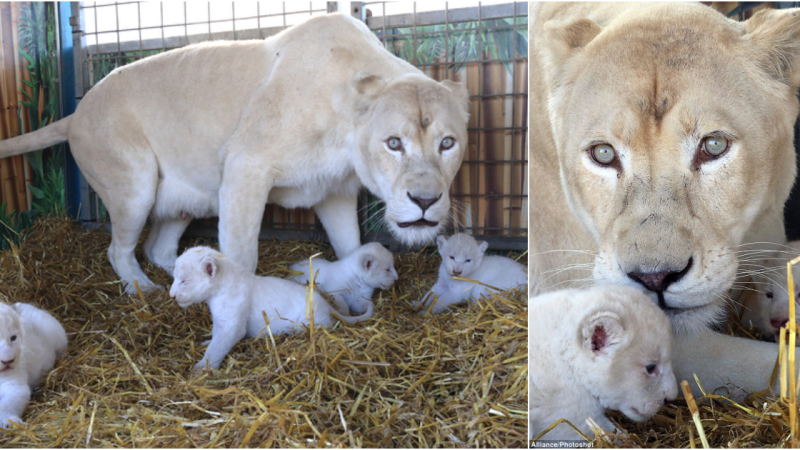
{"x":399,"y":380}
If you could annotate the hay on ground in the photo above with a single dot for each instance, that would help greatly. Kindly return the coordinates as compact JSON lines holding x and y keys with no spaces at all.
{"x":398,"y":380}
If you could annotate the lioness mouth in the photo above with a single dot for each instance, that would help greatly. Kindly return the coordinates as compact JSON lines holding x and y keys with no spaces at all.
{"x":672,"y":310}
{"x":417,"y":223}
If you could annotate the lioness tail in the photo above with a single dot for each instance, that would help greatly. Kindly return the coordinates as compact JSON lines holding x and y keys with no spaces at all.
{"x":52,"y":134}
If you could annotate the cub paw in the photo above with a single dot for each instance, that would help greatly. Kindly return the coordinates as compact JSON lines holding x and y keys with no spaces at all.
{"x":5,"y":422}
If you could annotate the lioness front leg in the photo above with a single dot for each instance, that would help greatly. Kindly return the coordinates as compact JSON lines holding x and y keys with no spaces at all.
{"x":339,"y":217}
{"x":242,"y":198}
{"x":720,"y":360}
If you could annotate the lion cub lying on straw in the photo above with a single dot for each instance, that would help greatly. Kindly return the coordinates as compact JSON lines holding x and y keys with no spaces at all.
{"x":606,"y":347}
{"x":353,"y":279}
{"x":239,"y":300}
{"x":31,"y":340}
{"x":463,"y":257}
{"x":768,"y":310}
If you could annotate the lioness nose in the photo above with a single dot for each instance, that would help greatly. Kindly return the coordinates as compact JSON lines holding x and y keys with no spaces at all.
{"x":423,"y":202}
{"x":659,"y":281}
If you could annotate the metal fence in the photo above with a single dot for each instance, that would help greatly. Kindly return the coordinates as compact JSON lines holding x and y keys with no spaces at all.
{"x":484,"y":46}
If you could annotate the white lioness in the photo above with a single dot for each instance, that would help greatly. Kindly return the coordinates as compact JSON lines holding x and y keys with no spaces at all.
{"x":606,"y":347}
{"x":353,"y":279}
{"x":463,"y":257}
{"x":316,"y":112}
{"x":31,"y":340}
{"x":768,"y":308}
{"x":239,"y":300}
{"x":648,"y":173}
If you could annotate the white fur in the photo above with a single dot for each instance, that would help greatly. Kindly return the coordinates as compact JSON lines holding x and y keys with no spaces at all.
{"x":238,"y":301}
{"x":353,"y":279}
{"x":31,"y":340}
{"x":589,"y":351}
{"x":768,"y":309}
{"x":463,"y":256}
{"x":304,"y":125}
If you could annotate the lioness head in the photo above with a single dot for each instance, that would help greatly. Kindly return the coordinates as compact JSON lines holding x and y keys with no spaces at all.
{"x":10,"y":338}
{"x":410,"y":150}
{"x":195,"y":272}
{"x":674,"y":129}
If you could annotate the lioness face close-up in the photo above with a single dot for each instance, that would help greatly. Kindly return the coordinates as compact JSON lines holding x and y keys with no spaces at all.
{"x":667,"y":171}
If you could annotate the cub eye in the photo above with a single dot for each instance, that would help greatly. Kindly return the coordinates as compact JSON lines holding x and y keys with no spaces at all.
{"x":395,"y":144}
{"x":715,"y":146}
{"x":13,"y":338}
{"x":651,"y":369}
{"x":447,"y":144}
{"x":452,"y":258}
{"x":769,"y":295}
{"x":469,"y":260}
{"x":604,"y":154}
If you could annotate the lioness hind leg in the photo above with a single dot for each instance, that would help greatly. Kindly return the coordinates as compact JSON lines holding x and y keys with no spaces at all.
{"x":128,"y":216}
{"x":163,"y":242}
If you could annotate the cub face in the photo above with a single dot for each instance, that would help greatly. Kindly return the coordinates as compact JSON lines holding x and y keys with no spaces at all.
{"x":410,"y":152}
{"x":628,"y":363}
{"x":194,"y":274}
{"x":377,"y":266}
{"x":461,"y":254}
{"x":773,"y":302}
{"x":10,"y":338}
{"x":666,"y":172}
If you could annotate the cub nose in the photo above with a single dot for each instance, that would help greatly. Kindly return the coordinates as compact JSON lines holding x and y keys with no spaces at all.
{"x":423,"y":202}
{"x":8,"y":362}
{"x":659,"y":281}
{"x":778,"y":323}
{"x":456,"y":272}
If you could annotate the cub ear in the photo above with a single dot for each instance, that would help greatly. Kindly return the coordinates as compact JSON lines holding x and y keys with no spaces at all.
{"x":776,"y":35}
{"x":209,"y":266}
{"x":366,"y":261}
{"x":482,"y":247}
{"x":440,"y":241}
{"x":562,"y":40}
{"x":601,"y":332}
{"x":462,"y":94}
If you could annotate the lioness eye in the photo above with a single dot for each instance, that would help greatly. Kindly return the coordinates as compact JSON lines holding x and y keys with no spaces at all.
{"x":603,"y":154}
{"x":447,"y":144}
{"x":13,"y":338}
{"x":651,"y":369}
{"x":394,"y":144}
{"x":715,"y":145}
{"x":769,"y":295}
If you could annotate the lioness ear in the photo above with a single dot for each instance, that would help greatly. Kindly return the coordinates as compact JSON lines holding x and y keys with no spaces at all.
{"x":776,"y":33}
{"x":562,"y":40}
{"x":601,"y":332}
{"x":483,"y":246}
{"x":440,"y":241}
{"x":462,"y":94}
{"x":209,"y":266}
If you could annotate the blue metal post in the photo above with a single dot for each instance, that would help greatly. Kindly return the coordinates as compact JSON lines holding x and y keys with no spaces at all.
{"x":72,"y":175}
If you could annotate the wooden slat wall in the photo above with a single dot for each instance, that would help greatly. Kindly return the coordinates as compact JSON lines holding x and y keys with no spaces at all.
{"x":15,"y":173}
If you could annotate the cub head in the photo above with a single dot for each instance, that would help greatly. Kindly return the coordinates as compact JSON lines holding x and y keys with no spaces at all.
{"x":625,"y":353}
{"x":773,"y":295}
{"x":376,"y":265}
{"x":10,"y":338}
{"x":461,"y":254}
{"x":195,"y":276}
{"x":413,"y":141}
{"x":669,"y":172}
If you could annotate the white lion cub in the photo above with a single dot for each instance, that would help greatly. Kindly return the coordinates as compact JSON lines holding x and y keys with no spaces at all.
{"x":770,"y":310}
{"x":606,"y":347}
{"x":463,"y":256}
{"x":238,"y":301}
{"x":353,"y":279}
{"x":31,"y":340}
